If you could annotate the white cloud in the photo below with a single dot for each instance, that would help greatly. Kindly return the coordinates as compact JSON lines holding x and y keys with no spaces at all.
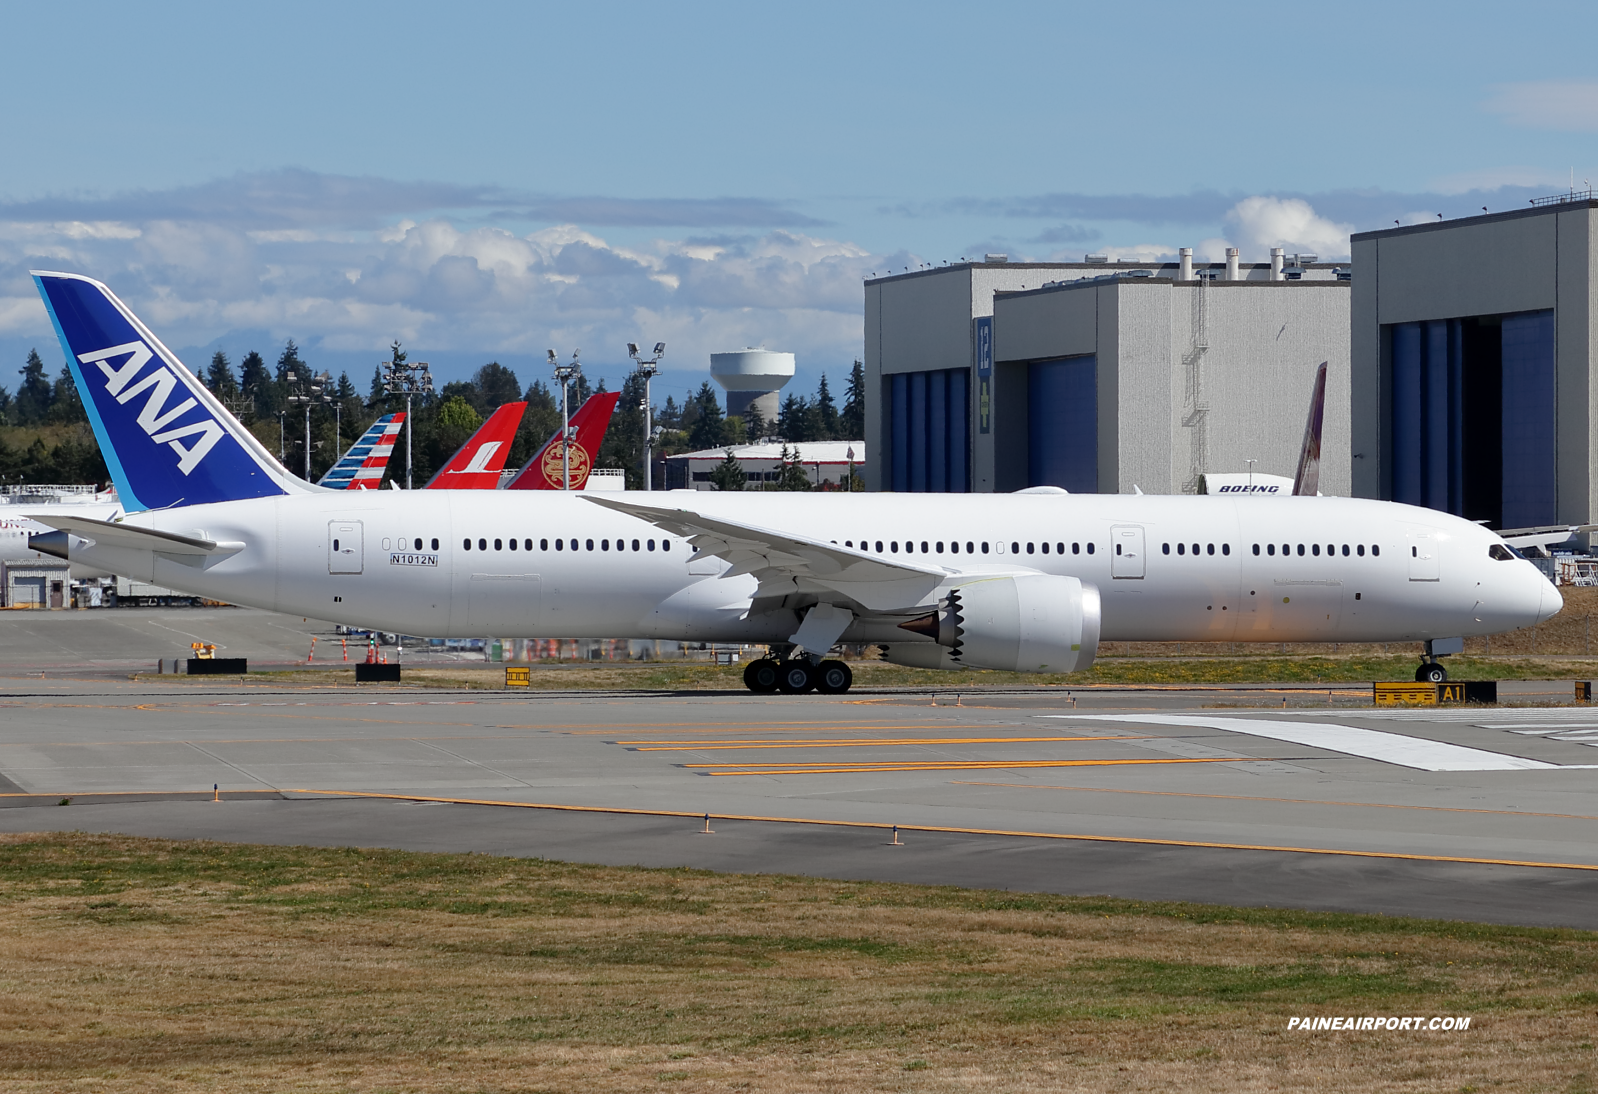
{"x":1565,"y":105}
{"x":1260,"y":223}
{"x":439,"y":285}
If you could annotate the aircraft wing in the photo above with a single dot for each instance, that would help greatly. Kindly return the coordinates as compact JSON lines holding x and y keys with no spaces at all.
{"x":1542,"y":538}
{"x":784,"y":563}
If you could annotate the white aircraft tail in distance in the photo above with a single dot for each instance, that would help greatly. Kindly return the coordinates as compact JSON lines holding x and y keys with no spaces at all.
{"x":1029,"y":582}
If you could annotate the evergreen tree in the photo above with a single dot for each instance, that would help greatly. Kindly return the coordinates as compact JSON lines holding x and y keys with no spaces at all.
{"x":852,"y":422}
{"x":496,"y":385}
{"x":797,"y":421}
{"x":33,"y":394}
{"x":219,"y":377}
{"x":256,"y":384}
{"x":623,"y":447}
{"x":792,"y":474}
{"x":826,"y":413}
{"x":755,"y":423}
{"x":5,"y":413}
{"x":65,"y":406}
{"x":670,"y":415}
{"x":378,"y":396}
{"x":289,"y":359}
{"x":707,"y":427}
{"x":728,"y":474}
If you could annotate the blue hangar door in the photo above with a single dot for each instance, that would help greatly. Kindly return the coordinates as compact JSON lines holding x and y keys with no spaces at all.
{"x":1063,"y":424}
{"x":1474,"y":415}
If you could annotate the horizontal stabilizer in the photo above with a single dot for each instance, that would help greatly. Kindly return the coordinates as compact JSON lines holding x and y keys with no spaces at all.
{"x":129,"y":537}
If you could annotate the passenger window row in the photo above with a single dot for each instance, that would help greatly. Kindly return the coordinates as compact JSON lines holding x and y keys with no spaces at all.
{"x":971,"y":547}
{"x":564,"y":544}
{"x":1209,"y":548}
{"x":1315,"y":549}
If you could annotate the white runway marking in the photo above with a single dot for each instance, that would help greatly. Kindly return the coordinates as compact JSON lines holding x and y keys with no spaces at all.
{"x":1392,"y":748}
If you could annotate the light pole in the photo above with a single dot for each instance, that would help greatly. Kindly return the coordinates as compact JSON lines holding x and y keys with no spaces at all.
{"x":401,"y":377}
{"x":308,"y":390}
{"x":565,"y":374}
{"x":648,"y":369}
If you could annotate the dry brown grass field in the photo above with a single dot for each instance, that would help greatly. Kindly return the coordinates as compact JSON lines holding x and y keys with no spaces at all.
{"x":143,"y":965}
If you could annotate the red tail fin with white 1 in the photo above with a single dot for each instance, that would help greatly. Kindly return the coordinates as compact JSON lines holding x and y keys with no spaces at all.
{"x":477,"y":463}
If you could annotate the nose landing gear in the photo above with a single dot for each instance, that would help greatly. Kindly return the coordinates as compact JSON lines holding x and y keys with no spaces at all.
{"x":1431,"y":669}
{"x":1431,"y":672}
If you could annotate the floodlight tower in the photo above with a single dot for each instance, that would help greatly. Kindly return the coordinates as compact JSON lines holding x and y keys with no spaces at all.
{"x":308,"y":389}
{"x":648,"y":369}
{"x":401,"y":377}
{"x":565,"y":374}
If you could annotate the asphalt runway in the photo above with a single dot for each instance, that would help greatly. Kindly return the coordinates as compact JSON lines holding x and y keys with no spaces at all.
{"x":1481,"y":814}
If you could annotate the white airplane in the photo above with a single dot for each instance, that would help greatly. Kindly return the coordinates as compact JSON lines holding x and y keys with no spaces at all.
{"x":1029,"y":582}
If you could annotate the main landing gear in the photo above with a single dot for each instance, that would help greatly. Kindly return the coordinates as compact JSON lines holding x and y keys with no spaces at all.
{"x":797,"y":676}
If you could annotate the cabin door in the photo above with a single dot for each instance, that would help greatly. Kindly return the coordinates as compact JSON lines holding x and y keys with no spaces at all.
{"x":344,"y":546}
{"x":1126,"y":550}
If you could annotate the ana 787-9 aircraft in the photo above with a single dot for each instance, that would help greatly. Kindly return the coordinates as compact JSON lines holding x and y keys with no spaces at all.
{"x":1029,"y":582}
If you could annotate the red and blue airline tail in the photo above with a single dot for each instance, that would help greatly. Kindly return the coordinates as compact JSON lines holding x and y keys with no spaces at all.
{"x":477,"y":463}
{"x":592,"y":419}
{"x":362,"y":466}
{"x":166,"y":440}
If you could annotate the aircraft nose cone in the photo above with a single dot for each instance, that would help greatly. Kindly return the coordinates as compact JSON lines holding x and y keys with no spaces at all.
{"x":1551,"y":601}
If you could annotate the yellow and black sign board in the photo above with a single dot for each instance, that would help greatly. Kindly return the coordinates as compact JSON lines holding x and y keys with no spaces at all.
{"x":517,"y":676}
{"x":1583,"y":691}
{"x":1408,"y":695}
{"x":1430,"y":695}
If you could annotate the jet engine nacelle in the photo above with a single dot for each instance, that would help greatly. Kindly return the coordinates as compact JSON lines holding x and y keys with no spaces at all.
{"x":1030,"y":623}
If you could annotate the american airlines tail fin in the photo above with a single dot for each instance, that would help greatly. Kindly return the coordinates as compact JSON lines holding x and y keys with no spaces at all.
{"x":166,"y":440}
{"x":361,"y":468}
{"x":1307,"y":481}
{"x":477,"y":463}
{"x":589,"y":424}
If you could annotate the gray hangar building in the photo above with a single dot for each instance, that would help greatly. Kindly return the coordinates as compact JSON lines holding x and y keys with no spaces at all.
{"x":1103,"y":377}
{"x":1471,"y":364}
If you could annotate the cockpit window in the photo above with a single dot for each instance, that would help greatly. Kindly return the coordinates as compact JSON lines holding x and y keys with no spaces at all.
{"x":1500,"y":552}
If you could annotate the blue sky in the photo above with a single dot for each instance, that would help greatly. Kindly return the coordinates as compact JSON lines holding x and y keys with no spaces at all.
{"x":487,"y":180}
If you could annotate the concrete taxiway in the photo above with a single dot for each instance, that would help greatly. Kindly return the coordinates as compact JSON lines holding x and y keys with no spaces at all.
{"x":1482,"y":813}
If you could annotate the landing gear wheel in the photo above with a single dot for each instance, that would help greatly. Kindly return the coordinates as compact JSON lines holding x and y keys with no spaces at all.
{"x":761,"y":675}
{"x":796,"y":677}
{"x":1431,"y":673}
{"x":833,"y":677}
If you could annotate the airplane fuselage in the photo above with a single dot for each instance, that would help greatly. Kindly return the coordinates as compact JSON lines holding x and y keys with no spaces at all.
{"x":549,"y":564}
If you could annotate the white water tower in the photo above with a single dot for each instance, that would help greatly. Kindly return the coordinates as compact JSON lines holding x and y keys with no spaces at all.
{"x":752,"y":377}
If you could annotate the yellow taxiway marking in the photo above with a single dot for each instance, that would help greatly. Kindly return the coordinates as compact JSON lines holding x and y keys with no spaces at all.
{"x":938,"y":765}
{"x":850,"y":742}
{"x":1287,"y":801}
{"x":1079,"y":837}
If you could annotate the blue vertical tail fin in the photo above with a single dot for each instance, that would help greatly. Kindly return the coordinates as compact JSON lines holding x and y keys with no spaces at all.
{"x":165,"y":438}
